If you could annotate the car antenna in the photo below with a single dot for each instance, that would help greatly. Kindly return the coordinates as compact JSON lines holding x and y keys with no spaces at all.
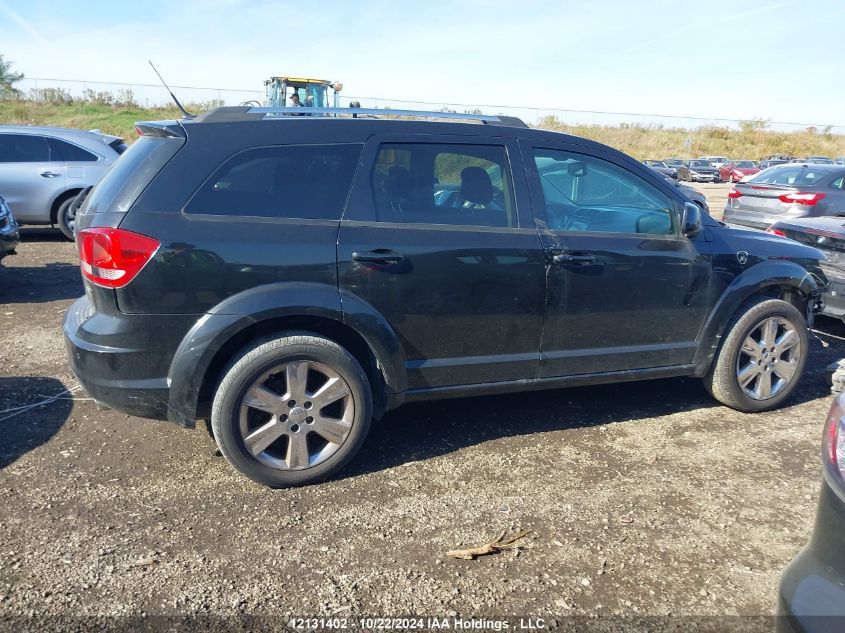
{"x":185,"y":113}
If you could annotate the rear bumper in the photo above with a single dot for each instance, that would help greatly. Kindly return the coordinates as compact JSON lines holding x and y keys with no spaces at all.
{"x":122,"y":361}
{"x":749,"y":219}
{"x":811,"y":597}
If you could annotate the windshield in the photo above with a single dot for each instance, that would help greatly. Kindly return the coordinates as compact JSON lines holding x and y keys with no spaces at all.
{"x":655,"y":163}
{"x":699,"y":163}
{"x":745,"y":163}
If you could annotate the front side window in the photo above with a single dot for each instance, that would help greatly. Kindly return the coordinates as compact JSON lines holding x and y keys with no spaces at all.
{"x":584,"y":193}
{"x":443,"y":184}
{"x":292,"y":181}
{"x":23,"y":148}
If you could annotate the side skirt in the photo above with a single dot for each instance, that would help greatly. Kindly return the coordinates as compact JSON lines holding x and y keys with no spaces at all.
{"x":536,"y":384}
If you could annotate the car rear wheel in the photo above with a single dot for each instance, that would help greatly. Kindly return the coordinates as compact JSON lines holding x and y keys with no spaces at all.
{"x":762,"y":356}
{"x":292,"y":410}
{"x":66,"y":216}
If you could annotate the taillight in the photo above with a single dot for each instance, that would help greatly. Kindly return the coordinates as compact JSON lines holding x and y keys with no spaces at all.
{"x":808,"y":199}
{"x":775,"y":231}
{"x":113,"y":257}
{"x":733,"y":194}
{"x":834,"y":441}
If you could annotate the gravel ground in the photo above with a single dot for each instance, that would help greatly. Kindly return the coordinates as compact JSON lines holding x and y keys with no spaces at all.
{"x":644,"y":499}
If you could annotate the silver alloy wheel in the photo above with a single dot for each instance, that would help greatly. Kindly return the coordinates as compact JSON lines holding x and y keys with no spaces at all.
{"x":296,"y":415}
{"x":768,"y":358}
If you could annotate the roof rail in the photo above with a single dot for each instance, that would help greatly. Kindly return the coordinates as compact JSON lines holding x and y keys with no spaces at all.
{"x":245,"y":113}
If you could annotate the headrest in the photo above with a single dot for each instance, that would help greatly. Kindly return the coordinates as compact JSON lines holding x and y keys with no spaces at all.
{"x":476,"y":186}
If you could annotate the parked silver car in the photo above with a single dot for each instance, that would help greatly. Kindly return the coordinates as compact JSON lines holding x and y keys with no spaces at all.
{"x":787,"y":192}
{"x":42,"y":169}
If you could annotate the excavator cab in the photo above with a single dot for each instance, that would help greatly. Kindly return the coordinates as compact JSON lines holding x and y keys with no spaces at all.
{"x":314,"y":93}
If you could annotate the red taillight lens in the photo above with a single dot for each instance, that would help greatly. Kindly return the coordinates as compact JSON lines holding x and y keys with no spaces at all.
{"x":112,"y":257}
{"x":801,"y":198}
{"x":733,"y":194}
{"x":834,"y":440}
{"x":775,"y":231}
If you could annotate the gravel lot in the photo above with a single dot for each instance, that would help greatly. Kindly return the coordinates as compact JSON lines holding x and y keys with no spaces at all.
{"x":643,"y":499}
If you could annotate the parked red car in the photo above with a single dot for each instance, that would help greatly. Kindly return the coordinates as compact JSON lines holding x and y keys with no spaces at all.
{"x":736,"y":170}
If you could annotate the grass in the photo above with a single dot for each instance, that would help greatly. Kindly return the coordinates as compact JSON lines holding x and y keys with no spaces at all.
{"x":752,"y":140}
{"x":111,"y":119}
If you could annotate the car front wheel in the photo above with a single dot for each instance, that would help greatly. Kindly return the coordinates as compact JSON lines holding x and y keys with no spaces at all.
{"x":292,"y":410}
{"x":761,"y":358}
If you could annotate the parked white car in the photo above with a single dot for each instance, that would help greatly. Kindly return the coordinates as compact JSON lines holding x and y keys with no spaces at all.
{"x":716,"y":161}
{"x":42,"y":169}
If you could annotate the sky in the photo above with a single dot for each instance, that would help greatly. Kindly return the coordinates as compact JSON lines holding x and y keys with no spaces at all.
{"x":772,"y":59}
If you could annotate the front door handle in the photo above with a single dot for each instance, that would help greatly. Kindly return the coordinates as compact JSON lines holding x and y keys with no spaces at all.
{"x":50,"y":174}
{"x":381,"y":256}
{"x":563,"y":258}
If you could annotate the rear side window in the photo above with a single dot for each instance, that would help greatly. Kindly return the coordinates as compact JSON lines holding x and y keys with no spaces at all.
{"x":291,"y":181}
{"x":69,"y":153}
{"x":431,"y":183}
{"x":23,"y":148}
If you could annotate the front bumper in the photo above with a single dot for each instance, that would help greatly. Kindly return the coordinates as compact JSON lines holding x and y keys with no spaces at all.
{"x":122,"y":360}
{"x":811,"y":597}
{"x":695,"y":177}
{"x":9,"y":237}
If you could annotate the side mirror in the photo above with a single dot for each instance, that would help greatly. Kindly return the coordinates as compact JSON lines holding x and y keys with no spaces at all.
{"x":577,"y":169}
{"x":691,"y":220}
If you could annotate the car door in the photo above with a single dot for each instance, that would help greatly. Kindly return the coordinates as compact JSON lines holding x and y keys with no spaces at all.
{"x":30,"y":178}
{"x":82,"y":167}
{"x":438,"y":239}
{"x":626,"y":290}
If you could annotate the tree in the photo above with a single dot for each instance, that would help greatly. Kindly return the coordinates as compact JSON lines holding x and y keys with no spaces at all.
{"x":8,"y":79}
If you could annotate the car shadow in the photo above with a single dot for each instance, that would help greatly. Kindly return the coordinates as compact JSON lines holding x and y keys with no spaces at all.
{"x":41,"y":234}
{"x":32,"y":410}
{"x":51,"y":282}
{"x":420,"y":431}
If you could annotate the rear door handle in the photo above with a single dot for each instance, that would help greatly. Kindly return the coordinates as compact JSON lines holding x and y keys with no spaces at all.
{"x":381,"y":256}
{"x":563,"y":258}
{"x":50,"y":174}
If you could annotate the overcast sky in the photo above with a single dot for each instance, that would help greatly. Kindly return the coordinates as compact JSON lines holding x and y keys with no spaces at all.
{"x":775,"y":59}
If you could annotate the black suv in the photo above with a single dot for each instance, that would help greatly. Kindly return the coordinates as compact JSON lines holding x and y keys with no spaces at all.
{"x":293,"y":277}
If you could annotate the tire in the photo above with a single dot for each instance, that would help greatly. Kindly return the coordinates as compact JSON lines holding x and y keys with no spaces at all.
{"x":273,"y":387}
{"x":742,"y":357}
{"x":65,"y":217}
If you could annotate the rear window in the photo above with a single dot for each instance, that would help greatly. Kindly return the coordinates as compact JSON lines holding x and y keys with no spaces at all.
{"x":290,"y":181}
{"x":791,"y":175}
{"x":131,"y":174}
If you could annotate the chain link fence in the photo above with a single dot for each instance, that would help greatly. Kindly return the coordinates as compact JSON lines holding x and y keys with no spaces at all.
{"x":148,"y":95}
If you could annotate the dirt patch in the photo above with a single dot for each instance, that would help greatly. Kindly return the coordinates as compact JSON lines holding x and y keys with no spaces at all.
{"x":643,"y":498}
